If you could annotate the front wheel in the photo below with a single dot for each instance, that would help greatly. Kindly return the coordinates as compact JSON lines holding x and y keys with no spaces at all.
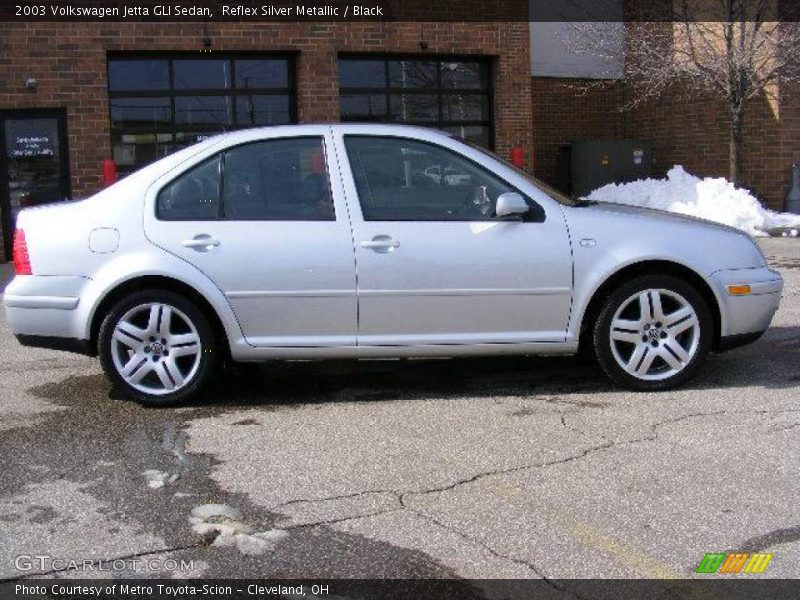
{"x":653,"y":333}
{"x":157,"y":347}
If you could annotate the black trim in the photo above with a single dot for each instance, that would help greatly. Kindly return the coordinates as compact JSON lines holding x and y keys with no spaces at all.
{"x":734,"y":341}
{"x":57,"y":343}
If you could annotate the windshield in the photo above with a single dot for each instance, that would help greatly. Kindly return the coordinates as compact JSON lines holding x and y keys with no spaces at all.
{"x":541,"y":185}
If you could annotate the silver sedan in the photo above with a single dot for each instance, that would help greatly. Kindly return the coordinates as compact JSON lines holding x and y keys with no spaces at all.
{"x":346,"y":241}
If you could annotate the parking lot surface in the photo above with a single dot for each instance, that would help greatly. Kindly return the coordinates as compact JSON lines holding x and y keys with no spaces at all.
{"x":470,"y":468}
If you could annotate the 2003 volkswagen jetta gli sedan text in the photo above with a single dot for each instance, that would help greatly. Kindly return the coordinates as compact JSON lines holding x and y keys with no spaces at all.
{"x":356,"y":241}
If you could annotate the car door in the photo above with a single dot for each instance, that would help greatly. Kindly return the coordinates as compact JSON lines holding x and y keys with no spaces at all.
{"x":265,"y":222}
{"x":435,"y":266}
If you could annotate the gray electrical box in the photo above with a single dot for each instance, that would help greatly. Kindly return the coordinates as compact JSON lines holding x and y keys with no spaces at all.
{"x":595,"y":163}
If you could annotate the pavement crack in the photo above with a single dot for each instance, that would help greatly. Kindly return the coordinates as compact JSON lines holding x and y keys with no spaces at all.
{"x":528,"y":564}
{"x":506,"y":471}
{"x":277,"y":507}
{"x":788,"y":427}
{"x":341,"y":519}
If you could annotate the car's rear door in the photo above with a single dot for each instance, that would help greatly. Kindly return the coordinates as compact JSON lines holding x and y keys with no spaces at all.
{"x":266,"y":221}
{"x":434,"y":265}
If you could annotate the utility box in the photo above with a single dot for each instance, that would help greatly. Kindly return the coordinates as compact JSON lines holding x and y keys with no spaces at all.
{"x":587,"y":165}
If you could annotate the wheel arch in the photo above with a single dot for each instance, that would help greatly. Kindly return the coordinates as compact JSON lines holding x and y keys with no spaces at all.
{"x":650,"y":267}
{"x":158,"y":282}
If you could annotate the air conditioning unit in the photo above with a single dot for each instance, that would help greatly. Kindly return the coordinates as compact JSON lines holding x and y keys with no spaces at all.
{"x":589,"y":164}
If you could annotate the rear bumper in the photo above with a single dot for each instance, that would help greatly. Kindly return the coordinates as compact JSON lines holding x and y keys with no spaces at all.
{"x":45,"y":306}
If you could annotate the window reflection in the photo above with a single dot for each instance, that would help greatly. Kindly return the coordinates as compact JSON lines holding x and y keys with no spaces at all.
{"x":159,"y":105}
{"x":447,"y":93}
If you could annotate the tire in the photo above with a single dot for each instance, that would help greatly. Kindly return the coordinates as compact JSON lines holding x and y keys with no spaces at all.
{"x":653,"y":333}
{"x":157,"y":348}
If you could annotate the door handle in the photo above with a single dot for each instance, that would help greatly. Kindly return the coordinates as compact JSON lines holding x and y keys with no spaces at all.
{"x":381,"y":244}
{"x":201,"y":242}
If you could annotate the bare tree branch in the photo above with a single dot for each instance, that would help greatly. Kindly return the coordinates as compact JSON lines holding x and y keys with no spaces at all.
{"x":734,"y":50}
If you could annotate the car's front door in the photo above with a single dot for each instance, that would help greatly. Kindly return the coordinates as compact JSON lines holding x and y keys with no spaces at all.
{"x":435,"y":266}
{"x":263,"y":221}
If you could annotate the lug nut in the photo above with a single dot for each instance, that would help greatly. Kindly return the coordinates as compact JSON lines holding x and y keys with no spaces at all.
{"x":658,"y":324}
{"x":663,"y":335}
{"x":654,"y":343}
{"x":152,"y":339}
{"x":644,"y":338}
{"x":147,"y":348}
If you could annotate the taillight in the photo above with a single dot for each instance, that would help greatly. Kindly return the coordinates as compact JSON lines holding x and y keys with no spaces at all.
{"x":22,"y":262}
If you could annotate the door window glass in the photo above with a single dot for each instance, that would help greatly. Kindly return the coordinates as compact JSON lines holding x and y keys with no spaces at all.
{"x":406,"y":180}
{"x":277,"y":180}
{"x":194,"y":196}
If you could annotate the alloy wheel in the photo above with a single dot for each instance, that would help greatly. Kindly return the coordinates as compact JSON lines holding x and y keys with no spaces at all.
{"x":654,"y":334}
{"x":156,"y":348}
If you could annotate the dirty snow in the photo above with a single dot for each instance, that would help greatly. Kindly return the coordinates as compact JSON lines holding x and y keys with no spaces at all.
{"x":155,"y":479}
{"x":714,"y":199}
{"x":222,"y":524}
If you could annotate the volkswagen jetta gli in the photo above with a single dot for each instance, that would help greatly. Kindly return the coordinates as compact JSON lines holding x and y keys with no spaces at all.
{"x":334,"y":241}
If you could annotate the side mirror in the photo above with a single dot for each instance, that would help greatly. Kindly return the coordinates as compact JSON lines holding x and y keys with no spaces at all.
{"x":510,"y":204}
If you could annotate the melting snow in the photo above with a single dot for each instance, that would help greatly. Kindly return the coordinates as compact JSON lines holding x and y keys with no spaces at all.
{"x":156,"y":479}
{"x":222,"y":524}
{"x":715,"y":199}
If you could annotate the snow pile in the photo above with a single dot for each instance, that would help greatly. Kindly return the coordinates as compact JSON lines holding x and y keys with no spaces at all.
{"x":714,"y":199}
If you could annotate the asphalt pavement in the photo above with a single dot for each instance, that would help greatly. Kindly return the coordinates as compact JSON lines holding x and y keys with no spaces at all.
{"x":470,"y":468}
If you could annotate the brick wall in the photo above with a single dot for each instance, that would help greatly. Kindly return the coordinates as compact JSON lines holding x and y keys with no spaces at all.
{"x":69,"y":61}
{"x":692,"y":132}
{"x":566,"y":111}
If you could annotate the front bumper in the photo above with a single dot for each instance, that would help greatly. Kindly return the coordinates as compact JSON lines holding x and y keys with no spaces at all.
{"x":743,"y":318}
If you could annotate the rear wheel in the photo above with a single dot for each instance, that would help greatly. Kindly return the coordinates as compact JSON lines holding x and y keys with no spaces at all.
{"x":157,"y":347}
{"x":653,"y":333}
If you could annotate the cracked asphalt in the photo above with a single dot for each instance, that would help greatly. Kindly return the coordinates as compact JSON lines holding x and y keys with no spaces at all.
{"x":462,"y":469}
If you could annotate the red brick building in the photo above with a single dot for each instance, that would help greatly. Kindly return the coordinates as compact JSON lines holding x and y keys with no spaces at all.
{"x":692,"y":133}
{"x":73,"y":95}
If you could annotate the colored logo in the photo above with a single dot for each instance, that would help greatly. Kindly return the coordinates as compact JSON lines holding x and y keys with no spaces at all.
{"x":734,"y":562}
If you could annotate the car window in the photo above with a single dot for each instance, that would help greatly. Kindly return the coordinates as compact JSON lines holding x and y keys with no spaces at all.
{"x":194,"y":196}
{"x":406,"y":180}
{"x":277,"y":180}
{"x":273,"y":180}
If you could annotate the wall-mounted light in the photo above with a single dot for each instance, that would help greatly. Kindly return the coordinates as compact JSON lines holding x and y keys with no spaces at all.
{"x":31,"y":83}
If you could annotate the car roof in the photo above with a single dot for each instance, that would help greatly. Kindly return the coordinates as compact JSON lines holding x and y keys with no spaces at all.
{"x":353,"y":127}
